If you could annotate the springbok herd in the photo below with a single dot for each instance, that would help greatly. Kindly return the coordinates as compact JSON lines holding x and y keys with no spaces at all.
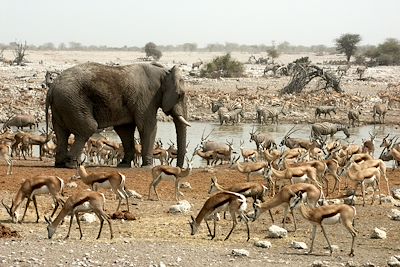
{"x":296,"y":174}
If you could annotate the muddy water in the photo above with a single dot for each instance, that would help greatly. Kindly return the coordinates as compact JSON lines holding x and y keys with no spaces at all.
{"x":166,"y":131}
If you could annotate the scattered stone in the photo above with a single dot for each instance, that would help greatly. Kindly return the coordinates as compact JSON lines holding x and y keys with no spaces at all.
{"x":72,"y":185}
{"x":88,"y":218}
{"x":276,"y":232}
{"x":368,"y":264}
{"x":351,"y":200}
{"x":386,"y":199}
{"x":394,"y":261}
{"x":263,"y":244}
{"x":378,"y":234}
{"x":183,"y":206}
{"x":185,"y":185}
{"x":319,"y":263}
{"x":298,"y":245}
{"x":133,"y":194}
{"x":334,"y":247}
{"x":395,"y":214}
{"x":351,"y":264}
{"x":6,"y":232}
{"x":123,"y":215}
{"x":334,"y":201}
{"x":396,"y":193}
{"x":240,"y":253}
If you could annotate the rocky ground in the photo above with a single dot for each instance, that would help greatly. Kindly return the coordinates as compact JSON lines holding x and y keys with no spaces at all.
{"x":158,"y":237}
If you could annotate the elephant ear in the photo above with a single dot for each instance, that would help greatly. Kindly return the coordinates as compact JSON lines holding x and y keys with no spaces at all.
{"x":173,"y":86}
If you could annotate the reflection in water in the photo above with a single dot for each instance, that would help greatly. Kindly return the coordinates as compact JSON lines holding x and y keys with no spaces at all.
{"x":166,"y":131}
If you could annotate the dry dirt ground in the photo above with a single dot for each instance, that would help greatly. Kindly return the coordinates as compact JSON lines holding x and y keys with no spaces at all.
{"x":159,"y":236}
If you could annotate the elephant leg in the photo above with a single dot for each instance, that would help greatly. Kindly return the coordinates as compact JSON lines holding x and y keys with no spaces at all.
{"x":126,"y":133}
{"x":147,"y":137}
{"x":62,"y":146}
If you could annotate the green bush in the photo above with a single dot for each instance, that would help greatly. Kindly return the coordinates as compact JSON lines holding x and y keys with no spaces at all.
{"x":223,"y":66}
{"x":387,"y":53}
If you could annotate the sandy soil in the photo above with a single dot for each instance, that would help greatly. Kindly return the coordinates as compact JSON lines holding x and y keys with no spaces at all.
{"x":158,"y":236}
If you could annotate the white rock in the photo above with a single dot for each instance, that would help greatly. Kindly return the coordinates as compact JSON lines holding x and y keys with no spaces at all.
{"x":88,"y":218}
{"x":396,"y":193}
{"x":394,"y":261}
{"x":378,"y":234}
{"x":134,"y":194}
{"x":386,"y":199}
{"x":275,"y":231}
{"x":183,"y":206}
{"x":240,"y":252}
{"x":334,"y":201}
{"x":351,"y":200}
{"x":298,"y":245}
{"x":395,"y":214}
{"x":185,"y":185}
{"x":263,"y":244}
{"x":71,"y":185}
{"x":319,"y":263}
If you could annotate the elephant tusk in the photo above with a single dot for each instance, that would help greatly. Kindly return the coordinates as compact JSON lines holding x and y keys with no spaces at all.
{"x":182,"y":119}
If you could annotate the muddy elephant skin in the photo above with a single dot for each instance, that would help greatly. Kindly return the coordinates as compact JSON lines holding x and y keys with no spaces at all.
{"x":93,"y":96}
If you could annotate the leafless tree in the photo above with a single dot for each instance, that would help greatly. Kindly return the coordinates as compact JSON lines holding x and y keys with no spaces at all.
{"x":19,"y":53}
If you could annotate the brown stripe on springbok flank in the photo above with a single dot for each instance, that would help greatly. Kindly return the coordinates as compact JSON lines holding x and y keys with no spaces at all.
{"x":221,"y":203}
{"x":157,"y":153}
{"x":38,"y":185}
{"x":167,"y":172}
{"x":80,"y":202}
{"x":244,"y":189}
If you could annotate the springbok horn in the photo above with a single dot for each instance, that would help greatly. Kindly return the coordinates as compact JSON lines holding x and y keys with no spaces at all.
{"x":6,"y":207}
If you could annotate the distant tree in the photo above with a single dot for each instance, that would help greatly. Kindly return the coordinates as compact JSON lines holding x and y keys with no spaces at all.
{"x":189,"y":47}
{"x":62,"y":46}
{"x":223,"y":66}
{"x":19,"y":53}
{"x":47,"y":46}
{"x":347,"y":44}
{"x":75,"y":46}
{"x":273,"y":53}
{"x":387,"y":53}
{"x":151,"y":50}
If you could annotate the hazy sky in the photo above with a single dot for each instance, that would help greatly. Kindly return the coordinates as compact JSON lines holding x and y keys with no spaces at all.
{"x":134,"y":23}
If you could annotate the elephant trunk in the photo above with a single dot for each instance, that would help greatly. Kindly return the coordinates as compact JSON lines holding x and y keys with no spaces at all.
{"x":180,"y":140}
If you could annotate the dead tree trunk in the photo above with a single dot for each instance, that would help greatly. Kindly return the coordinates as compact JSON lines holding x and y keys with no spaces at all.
{"x":304,"y":73}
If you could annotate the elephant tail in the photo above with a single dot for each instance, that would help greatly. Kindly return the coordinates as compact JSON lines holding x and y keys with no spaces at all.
{"x":48,"y":104}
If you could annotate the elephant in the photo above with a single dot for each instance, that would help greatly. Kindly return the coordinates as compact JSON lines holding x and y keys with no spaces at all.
{"x":92,"y":96}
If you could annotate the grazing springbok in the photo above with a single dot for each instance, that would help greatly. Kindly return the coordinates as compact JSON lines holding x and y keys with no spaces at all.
{"x":108,"y":180}
{"x":330,"y":214}
{"x":235,"y":203}
{"x":30,"y":188}
{"x":283,"y":197}
{"x":254,"y":190}
{"x":79,"y":202}
{"x":166,"y":172}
